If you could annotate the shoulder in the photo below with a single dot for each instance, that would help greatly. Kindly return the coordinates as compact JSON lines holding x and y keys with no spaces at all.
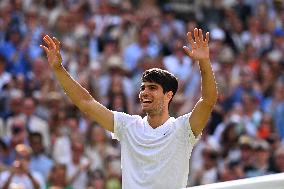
{"x":37,"y":176}
{"x":38,"y":120}
{"x":183,"y":119}
{"x":4,"y":175}
{"x":125,"y":117}
{"x":123,"y":121}
{"x":44,"y":159}
{"x":183,"y":124}
{"x":180,"y":124}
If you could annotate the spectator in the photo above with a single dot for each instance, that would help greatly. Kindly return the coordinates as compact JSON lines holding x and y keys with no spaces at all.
{"x":171,"y":28}
{"x":14,"y":100}
{"x":182,"y":66}
{"x":232,"y":170}
{"x":246,"y":153}
{"x":79,"y":166}
{"x":229,"y":140}
{"x":40,"y":162}
{"x":33,"y":122}
{"x":261,"y":160}
{"x":246,"y":52}
{"x":110,"y":49}
{"x":14,"y":52}
{"x":274,"y":105}
{"x":116,"y":81}
{"x":97,"y":180}
{"x":99,"y":147}
{"x":5,"y":76}
{"x":141,"y":48}
{"x":19,"y":135}
{"x":266,"y":127}
{"x":61,"y":151}
{"x":246,"y":85}
{"x":208,"y":172}
{"x":58,"y":177}
{"x":20,"y":172}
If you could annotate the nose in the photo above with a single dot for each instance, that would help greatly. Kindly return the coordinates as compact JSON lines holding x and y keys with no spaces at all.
{"x":143,"y":93}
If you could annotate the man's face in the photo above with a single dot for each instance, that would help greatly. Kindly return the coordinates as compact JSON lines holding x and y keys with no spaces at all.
{"x":18,"y":131}
{"x":36,"y":144}
{"x":29,"y":107}
{"x":152,"y":98}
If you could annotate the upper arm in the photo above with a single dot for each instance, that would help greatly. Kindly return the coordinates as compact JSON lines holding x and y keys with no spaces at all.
{"x":199,"y":116}
{"x":99,"y":113}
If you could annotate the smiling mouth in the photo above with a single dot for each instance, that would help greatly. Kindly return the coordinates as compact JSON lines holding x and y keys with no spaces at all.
{"x":146,"y":102}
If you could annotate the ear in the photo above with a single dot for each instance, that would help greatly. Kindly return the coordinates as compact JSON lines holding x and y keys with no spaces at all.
{"x":170,"y":95}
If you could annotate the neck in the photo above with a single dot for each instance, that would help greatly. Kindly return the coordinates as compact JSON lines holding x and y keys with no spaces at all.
{"x":157,"y":120}
{"x":76,"y":160}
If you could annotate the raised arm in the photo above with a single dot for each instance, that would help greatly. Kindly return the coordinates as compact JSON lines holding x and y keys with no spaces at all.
{"x":200,"y":52}
{"x":78,"y":95}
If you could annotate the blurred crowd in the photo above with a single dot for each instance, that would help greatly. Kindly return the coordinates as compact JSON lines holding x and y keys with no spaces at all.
{"x":106,"y":45}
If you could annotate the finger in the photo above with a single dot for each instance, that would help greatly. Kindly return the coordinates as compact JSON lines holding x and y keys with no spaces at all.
{"x":200,"y":35}
{"x":207,"y":37}
{"x":44,"y":48}
{"x":187,"y":51}
{"x":196,"y":37}
{"x":57,"y":43}
{"x":205,"y":41}
{"x":50,"y":41}
{"x":46,"y":40}
{"x":190,"y":39}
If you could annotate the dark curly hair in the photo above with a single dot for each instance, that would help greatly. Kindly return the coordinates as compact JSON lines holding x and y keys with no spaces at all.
{"x":167,"y":80}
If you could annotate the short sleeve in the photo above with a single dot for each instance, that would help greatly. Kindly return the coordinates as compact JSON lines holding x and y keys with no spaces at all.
{"x":120,"y":119}
{"x":185,"y":126}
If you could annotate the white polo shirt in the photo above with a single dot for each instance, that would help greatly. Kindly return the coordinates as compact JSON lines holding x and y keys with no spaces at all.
{"x":22,"y":180}
{"x":154,"y":158}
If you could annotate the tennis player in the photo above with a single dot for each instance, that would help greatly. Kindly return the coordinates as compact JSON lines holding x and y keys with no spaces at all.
{"x":155,"y":150}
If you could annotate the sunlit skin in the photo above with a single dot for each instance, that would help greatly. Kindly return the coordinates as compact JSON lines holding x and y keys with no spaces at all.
{"x":153,"y":101}
{"x":157,"y":109}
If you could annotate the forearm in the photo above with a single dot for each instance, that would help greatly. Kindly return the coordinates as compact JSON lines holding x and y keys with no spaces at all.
{"x":8,"y":182}
{"x":78,"y":95}
{"x":72,"y":179}
{"x":83,"y":100}
{"x":34,"y":182}
{"x":208,"y":83}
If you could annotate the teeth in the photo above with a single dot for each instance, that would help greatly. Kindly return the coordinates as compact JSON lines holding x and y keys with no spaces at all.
{"x":146,"y":101}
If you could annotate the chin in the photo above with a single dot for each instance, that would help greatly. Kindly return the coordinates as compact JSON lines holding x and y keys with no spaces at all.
{"x":149,"y":111}
{"x":146,"y":109}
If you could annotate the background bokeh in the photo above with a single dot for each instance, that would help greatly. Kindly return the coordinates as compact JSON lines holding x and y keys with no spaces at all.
{"x":106,"y":46}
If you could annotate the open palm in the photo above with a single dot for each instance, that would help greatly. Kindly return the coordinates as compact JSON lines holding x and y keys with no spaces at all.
{"x":199,"y":46}
{"x":52,"y":51}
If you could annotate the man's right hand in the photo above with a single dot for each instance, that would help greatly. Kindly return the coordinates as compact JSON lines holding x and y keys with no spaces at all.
{"x":78,"y":95}
{"x":16,"y":167}
{"x":52,"y":50}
